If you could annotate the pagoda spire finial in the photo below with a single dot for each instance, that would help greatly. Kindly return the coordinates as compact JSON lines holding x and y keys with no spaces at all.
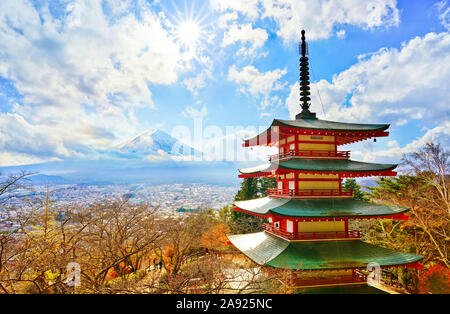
{"x":304,"y":82}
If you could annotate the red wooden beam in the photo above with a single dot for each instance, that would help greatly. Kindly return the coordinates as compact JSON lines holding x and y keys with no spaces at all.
{"x":253,"y":214}
{"x":254,"y":175}
{"x":383,"y":173}
{"x":400,"y":217}
{"x":315,"y":142}
{"x":415,"y":265}
{"x":394,"y":217}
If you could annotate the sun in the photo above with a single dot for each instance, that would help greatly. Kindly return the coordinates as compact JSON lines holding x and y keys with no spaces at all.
{"x":188,"y":33}
{"x":191,"y":25}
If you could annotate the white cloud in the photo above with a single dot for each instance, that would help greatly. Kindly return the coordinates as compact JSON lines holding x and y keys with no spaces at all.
{"x":248,"y":8}
{"x":392,"y":85}
{"x":256,"y":37}
{"x":193,"y":84}
{"x":256,"y":83}
{"x":265,"y":114}
{"x":87,"y":60}
{"x":196,"y":113}
{"x":392,"y":143}
{"x":340,"y":34}
{"x":318,"y":17}
{"x":229,"y":147}
{"x":8,"y":159}
{"x":259,"y":85}
{"x":293,"y":102}
{"x":203,"y":66}
{"x":393,"y":152}
{"x":82,"y":74}
{"x":17,"y":135}
{"x":226,"y":18}
{"x":443,"y":9}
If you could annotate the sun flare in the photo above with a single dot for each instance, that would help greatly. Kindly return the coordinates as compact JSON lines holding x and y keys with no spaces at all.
{"x":188,"y":33}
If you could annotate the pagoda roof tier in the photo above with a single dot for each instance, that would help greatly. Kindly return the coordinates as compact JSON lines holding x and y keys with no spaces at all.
{"x":345,"y":133}
{"x":318,"y":208}
{"x":268,"y":250}
{"x":346,"y":167}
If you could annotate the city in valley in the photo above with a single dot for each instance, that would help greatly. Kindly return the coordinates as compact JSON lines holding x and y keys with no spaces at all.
{"x":171,"y":199}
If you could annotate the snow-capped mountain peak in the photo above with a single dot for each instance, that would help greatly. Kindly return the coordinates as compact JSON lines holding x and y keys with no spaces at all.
{"x":157,"y":143}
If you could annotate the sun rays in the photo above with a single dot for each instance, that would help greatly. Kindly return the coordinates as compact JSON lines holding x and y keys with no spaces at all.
{"x":189,"y":26}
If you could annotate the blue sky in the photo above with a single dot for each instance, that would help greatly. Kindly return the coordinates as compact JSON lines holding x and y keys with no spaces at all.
{"x":78,"y":77}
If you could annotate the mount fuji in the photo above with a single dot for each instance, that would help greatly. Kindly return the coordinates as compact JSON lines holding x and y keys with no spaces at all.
{"x":151,"y":157}
{"x":155,"y":145}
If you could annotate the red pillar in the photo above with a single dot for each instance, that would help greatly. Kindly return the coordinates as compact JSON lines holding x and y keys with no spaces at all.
{"x":294,"y":227}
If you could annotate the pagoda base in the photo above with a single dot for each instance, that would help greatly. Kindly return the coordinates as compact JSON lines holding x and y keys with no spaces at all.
{"x":329,"y":278}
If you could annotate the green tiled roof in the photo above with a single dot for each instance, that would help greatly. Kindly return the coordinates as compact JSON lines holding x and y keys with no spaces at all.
{"x":311,"y":208}
{"x":333,"y":165}
{"x":265,"y":249}
{"x":259,"y":246}
{"x":317,"y":124}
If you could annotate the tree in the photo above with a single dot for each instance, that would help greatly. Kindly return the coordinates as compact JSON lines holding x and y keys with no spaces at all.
{"x":436,"y":280}
{"x":254,"y":187}
{"x":107,"y":235}
{"x":10,"y":246}
{"x":11,"y":184}
{"x":112,"y":241}
{"x":215,"y":237}
{"x":428,"y":225}
{"x":424,"y":191}
{"x":36,"y":254}
{"x":265,"y":183}
{"x":431,"y":163}
{"x":182,"y":237}
{"x":357,"y":193}
{"x":116,"y":234}
{"x":251,"y":188}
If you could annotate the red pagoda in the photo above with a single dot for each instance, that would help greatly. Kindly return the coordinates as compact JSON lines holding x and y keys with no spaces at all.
{"x":308,"y":212}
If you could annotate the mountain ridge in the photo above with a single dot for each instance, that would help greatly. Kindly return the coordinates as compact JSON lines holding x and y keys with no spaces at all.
{"x":151,"y":156}
{"x":155,"y":143}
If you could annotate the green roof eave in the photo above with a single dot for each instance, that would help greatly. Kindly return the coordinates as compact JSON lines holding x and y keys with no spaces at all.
{"x":324,"y":165}
{"x":325,"y":125}
{"x":268,"y":250}
{"x":318,"y":208}
{"x":317,"y":124}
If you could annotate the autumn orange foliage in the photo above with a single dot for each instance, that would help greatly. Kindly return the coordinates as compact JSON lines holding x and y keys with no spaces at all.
{"x":112,"y":274}
{"x":216,"y":236}
{"x":435,"y":280}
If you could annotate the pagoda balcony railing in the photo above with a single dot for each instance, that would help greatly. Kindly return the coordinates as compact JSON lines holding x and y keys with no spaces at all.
{"x":309,"y":193}
{"x":350,"y":234}
{"x":354,"y":278}
{"x":310,"y":153}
